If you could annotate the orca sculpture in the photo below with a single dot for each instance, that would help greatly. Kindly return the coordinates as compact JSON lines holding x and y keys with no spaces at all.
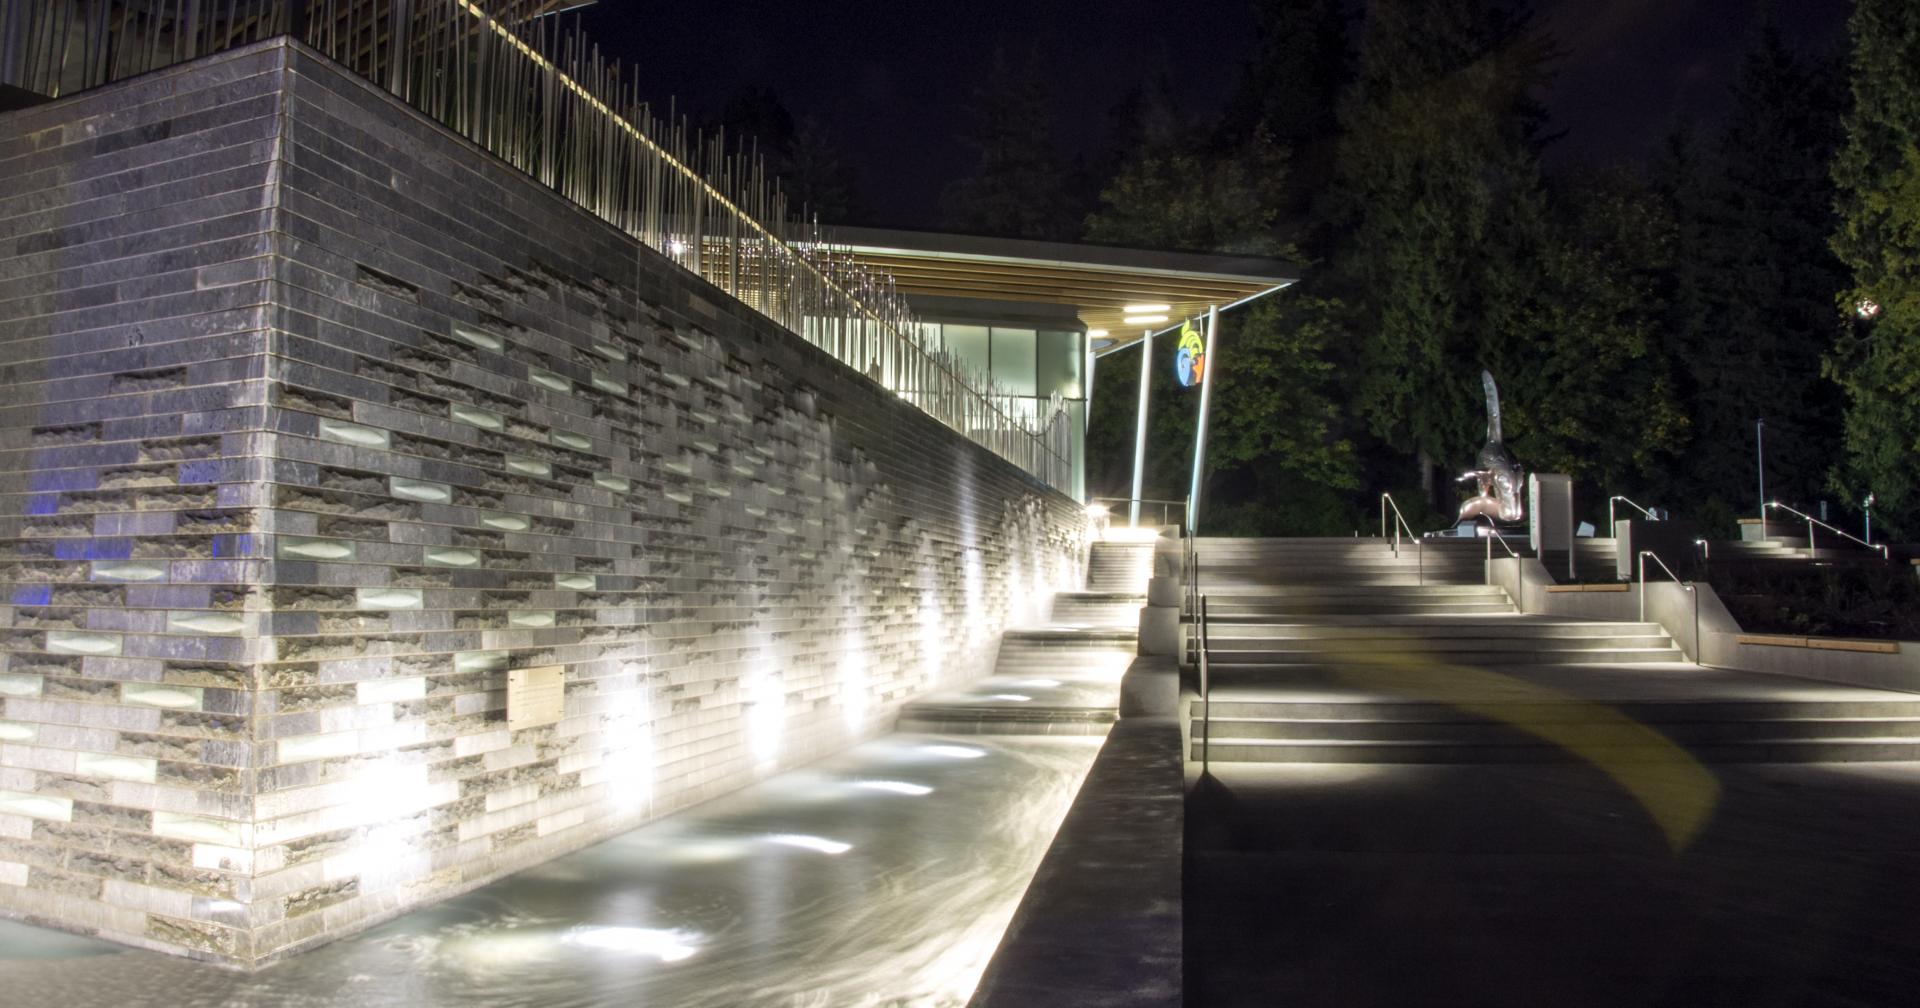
{"x":1496,"y":472}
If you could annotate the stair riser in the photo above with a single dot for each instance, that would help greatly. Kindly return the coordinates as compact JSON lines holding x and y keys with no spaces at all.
{"x":1396,"y":659}
{"x":1224,"y":644}
{"x":1745,"y":732}
{"x":1777,"y":752}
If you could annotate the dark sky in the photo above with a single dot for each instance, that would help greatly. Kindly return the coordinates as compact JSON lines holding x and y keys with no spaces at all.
{"x":889,"y":79}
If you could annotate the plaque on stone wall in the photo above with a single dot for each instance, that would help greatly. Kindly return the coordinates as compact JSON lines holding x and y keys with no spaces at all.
{"x":536,"y":696}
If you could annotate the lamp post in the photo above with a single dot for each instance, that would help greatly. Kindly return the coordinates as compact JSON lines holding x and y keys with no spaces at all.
{"x":1142,"y":315}
{"x":1760,"y":469}
{"x":1209,"y":365}
{"x":1867,"y":506}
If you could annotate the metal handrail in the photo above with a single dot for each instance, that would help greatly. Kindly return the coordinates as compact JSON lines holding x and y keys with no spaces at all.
{"x":1164,"y":505}
{"x":1812,"y":551}
{"x":1636,"y":507}
{"x":1688,"y":585}
{"x":1206,"y":689}
{"x":1400,"y":522}
{"x":1492,"y":534}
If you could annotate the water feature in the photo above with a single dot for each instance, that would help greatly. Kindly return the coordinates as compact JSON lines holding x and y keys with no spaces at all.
{"x":884,"y":875}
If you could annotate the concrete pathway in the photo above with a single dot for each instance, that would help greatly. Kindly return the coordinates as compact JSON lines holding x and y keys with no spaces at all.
{"x":1553,"y":885}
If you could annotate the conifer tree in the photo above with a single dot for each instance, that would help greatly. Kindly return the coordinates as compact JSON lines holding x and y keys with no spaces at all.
{"x":1877,"y":171}
{"x":1434,"y":220}
{"x":1754,"y":286}
{"x":1018,"y":188}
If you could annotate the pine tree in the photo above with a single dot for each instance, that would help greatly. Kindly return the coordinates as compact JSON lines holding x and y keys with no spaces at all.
{"x":1752,"y":309}
{"x":1596,"y":395}
{"x":1018,"y":188}
{"x":1877,"y":171}
{"x":1433,"y":218}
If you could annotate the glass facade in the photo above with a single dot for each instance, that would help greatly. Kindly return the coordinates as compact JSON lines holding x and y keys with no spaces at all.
{"x":1028,"y":365}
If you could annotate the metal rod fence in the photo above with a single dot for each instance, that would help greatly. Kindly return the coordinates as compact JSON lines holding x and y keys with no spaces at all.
{"x":507,"y":75}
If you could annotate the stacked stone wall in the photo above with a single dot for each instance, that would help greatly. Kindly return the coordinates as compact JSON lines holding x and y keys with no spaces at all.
{"x":386,"y":421}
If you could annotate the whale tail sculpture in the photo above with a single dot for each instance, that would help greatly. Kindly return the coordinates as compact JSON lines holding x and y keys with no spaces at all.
{"x":1496,"y":473}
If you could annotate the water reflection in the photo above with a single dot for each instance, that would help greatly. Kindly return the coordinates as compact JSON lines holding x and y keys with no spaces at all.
{"x":821,"y":887}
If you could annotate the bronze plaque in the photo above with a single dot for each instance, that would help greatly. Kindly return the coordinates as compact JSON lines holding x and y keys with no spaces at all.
{"x":536,"y":696}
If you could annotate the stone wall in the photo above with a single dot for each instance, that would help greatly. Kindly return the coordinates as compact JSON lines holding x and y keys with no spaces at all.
{"x":323,"y":421}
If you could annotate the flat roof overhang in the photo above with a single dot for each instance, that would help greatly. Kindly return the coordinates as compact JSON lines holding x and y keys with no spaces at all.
{"x":1098,"y":281}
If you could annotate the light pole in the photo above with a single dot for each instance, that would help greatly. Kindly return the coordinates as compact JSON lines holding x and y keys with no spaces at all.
{"x":1142,"y":315}
{"x":1760,"y":469}
{"x":1867,"y":506}
{"x":1209,"y":365}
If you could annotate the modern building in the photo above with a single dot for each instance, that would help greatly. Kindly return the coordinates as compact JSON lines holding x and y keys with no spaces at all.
{"x":416,"y":464}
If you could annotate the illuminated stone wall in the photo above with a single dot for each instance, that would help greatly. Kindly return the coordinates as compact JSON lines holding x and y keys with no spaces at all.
{"x":318,"y":421}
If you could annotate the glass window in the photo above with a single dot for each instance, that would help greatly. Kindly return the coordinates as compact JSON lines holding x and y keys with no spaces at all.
{"x":1013,"y":360}
{"x":968,"y":344}
{"x":1059,"y":365}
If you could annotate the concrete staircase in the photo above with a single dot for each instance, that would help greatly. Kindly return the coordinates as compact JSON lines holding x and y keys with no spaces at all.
{"x":1231,"y":567}
{"x":1326,"y":652}
{"x":1063,"y":678}
{"x":1594,"y":559}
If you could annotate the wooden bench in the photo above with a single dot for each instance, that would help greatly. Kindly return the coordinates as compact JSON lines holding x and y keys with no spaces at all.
{"x":1822,"y":643}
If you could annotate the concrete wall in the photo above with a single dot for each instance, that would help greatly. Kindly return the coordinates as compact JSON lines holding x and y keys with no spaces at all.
{"x":1703,"y":628}
{"x":379,"y":420}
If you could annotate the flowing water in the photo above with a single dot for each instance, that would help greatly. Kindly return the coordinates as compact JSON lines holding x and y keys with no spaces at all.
{"x":883,"y":876}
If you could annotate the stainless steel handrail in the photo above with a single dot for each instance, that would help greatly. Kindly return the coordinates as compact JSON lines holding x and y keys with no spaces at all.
{"x":1400,"y":522}
{"x":1688,"y":585}
{"x":1164,"y":505}
{"x":1206,"y":690}
{"x":1636,"y":507}
{"x":1812,"y":551}
{"x":1492,"y":534}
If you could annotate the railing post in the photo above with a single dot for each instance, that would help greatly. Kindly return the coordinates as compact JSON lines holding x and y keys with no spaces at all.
{"x":1643,"y":585}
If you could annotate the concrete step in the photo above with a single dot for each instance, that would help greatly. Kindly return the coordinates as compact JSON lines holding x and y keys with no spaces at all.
{"x":1241,"y":705}
{"x":1466,"y":729}
{"x":1428,"y":628}
{"x":1478,"y":654}
{"x":1758,"y":750}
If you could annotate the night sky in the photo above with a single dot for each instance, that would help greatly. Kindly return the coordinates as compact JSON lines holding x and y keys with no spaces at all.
{"x":889,"y":79}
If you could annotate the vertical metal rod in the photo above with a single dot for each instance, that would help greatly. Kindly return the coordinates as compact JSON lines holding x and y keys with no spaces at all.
{"x":1760,"y":469}
{"x":1643,"y":585}
{"x":1140,"y":428}
{"x":1209,"y":364}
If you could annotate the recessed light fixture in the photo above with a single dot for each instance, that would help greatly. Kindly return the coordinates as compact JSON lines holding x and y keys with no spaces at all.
{"x":1096,"y":333}
{"x":1144,"y":319}
{"x":1135,"y":309}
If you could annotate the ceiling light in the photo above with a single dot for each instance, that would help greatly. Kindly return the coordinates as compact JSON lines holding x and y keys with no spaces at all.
{"x":1144,"y":319}
{"x":1134,"y":309}
{"x":1096,"y":333}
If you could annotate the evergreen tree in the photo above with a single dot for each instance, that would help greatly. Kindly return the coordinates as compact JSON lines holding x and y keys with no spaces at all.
{"x":1018,"y":188}
{"x":1877,"y":171}
{"x":809,"y":166}
{"x":1752,"y":308}
{"x":1596,"y":394}
{"x":1434,"y":223}
{"x":1177,"y":191}
{"x":1287,"y":92}
{"x":817,"y":177}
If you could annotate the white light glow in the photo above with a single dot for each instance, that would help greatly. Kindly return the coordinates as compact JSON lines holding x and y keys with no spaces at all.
{"x":1011,"y":697}
{"x":1141,"y":309}
{"x":954,"y":751}
{"x":1144,"y":319}
{"x":1096,"y":333}
{"x":666,"y":946}
{"x":1040,"y":683}
{"x":895,"y":787}
{"x":806,"y":842}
